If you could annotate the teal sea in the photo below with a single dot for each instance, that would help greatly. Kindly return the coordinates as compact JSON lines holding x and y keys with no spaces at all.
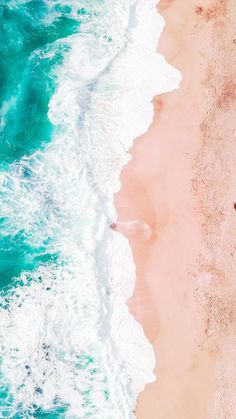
{"x":76,"y":82}
{"x":33,"y":41}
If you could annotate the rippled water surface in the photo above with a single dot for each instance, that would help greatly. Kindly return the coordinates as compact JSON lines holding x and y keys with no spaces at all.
{"x":76,"y":82}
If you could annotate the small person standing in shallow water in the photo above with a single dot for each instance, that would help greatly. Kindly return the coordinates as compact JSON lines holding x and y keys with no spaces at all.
{"x":133,"y":227}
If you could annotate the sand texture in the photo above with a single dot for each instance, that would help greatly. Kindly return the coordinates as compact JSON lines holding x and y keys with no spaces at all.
{"x":181,"y":186}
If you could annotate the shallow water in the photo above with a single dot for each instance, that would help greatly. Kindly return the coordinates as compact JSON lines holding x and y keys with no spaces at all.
{"x":76,"y":83}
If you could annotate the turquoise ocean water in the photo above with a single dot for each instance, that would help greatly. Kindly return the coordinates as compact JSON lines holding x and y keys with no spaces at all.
{"x":76,"y":82}
{"x":33,"y":41}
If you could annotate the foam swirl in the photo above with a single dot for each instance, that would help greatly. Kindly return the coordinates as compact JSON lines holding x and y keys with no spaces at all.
{"x":67,"y":339}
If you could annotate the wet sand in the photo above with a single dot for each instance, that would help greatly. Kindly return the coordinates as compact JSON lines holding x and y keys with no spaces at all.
{"x":181,"y":185}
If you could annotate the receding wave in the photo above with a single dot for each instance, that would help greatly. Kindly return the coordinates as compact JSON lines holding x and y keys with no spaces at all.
{"x":68,"y":345}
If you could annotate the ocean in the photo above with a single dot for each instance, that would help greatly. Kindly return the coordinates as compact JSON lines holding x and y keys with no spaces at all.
{"x":77,"y":78}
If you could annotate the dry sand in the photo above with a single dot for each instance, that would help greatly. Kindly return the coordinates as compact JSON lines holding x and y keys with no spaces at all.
{"x":181,"y":182}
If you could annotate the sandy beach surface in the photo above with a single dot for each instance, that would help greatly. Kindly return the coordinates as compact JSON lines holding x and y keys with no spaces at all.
{"x":181,"y":185}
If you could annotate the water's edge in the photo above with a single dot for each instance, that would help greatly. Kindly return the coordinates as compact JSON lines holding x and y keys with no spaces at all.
{"x":174,"y":77}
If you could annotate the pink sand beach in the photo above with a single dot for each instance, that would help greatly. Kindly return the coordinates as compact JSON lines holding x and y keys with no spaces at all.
{"x":181,"y":186}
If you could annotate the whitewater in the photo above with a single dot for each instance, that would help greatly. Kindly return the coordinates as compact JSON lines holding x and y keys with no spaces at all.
{"x":69,"y":348}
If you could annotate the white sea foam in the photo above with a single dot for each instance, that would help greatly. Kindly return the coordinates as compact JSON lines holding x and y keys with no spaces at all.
{"x":69,"y":314}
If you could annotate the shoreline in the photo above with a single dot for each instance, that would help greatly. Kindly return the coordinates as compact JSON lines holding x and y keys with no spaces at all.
{"x":179,"y":297}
